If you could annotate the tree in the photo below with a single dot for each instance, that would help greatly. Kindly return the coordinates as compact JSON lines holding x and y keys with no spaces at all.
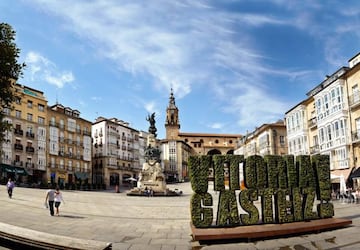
{"x":10,"y":71}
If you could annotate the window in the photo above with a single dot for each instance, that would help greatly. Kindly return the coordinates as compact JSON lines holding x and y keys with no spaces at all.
{"x":18,"y":100}
{"x":41,"y":120}
{"x":326,"y":102}
{"x":41,"y":107}
{"x":29,"y":117}
{"x":61,"y":124}
{"x":282,"y":139}
{"x":71,"y":125}
{"x":336,"y":128}
{"x":329,"y":136}
{"x":30,"y":104}
{"x":6,"y":111}
{"x":18,"y":114}
{"x":52,"y":121}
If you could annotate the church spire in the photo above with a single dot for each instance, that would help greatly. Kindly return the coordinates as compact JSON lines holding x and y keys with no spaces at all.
{"x":172,"y":123}
{"x":172,"y":99}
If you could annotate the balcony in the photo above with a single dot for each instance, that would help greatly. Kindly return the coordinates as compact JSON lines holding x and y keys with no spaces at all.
{"x":53,"y":124}
{"x":69,"y":155}
{"x":30,"y":149}
{"x":313,"y":123}
{"x":52,"y":165}
{"x":98,"y":155}
{"x":18,"y":131}
{"x":29,"y":165}
{"x":354,"y":101}
{"x":18,"y":163}
{"x":30,"y":135}
{"x":88,"y":133}
{"x":18,"y":147}
{"x":315,"y":149}
{"x":355,"y":136}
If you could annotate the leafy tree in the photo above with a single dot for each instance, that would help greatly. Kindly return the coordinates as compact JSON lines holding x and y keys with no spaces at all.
{"x":10,"y":71}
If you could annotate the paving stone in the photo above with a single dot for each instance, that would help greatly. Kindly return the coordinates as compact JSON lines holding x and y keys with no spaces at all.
{"x":150,"y":223}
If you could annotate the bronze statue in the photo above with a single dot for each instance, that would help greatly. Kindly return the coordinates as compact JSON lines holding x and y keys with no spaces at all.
{"x":151,"y":120}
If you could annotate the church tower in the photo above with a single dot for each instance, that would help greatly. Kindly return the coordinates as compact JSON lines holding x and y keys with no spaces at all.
{"x":172,"y":124}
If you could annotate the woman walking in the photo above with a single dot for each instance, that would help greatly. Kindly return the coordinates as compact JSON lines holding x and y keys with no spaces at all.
{"x":10,"y":186}
{"x":58,"y":199}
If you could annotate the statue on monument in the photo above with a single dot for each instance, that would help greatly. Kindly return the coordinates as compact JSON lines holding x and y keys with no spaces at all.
{"x":151,"y":120}
{"x":151,"y":176}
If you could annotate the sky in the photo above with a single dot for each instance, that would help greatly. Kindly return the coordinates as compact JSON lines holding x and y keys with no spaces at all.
{"x":232,"y":65}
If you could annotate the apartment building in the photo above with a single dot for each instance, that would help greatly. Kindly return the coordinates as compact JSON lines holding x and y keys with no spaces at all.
{"x":175,"y":156}
{"x":269,"y":139}
{"x":353,"y":85}
{"x":116,"y":152}
{"x":24,"y":149}
{"x":69,"y":157}
{"x":328,"y":121}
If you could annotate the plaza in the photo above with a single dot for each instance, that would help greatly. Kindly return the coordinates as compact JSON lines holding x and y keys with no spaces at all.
{"x":148,"y":223}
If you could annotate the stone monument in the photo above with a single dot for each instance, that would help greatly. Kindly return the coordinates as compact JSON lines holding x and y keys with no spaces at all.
{"x":151,"y":178}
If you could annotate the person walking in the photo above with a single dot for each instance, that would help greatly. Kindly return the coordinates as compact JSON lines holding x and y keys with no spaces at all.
{"x":58,"y":199}
{"x":10,"y":187}
{"x":49,"y":200}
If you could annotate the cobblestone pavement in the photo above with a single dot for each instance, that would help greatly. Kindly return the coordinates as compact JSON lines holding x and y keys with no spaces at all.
{"x":149,"y":223}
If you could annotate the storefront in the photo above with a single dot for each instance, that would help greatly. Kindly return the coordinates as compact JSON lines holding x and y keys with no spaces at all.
{"x":18,"y":174}
{"x":82,"y":177}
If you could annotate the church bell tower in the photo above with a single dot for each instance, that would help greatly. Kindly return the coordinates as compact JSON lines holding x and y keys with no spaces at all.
{"x":172,"y":124}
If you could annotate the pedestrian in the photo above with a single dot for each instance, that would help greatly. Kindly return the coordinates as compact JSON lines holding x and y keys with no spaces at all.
{"x":10,"y":187}
{"x":58,"y":199}
{"x":49,"y":200}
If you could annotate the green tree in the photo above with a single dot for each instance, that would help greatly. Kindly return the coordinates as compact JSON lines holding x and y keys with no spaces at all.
{"x":10,"y":71}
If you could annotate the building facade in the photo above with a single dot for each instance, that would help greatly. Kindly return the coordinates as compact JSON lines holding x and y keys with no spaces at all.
{"x":24,"y":149}
{"x":116,"y":152}
{"x":178,"y":146}
{"x":327,"y":122}
{"x":269,"y":139}
{"x":69,"y":157}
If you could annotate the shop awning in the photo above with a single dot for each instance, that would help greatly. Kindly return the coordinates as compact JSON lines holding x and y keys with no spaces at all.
{"x":13,"y":169}
{"x":355,"y":174}
{"x":335,"y":174}
{"x":81,"y":175}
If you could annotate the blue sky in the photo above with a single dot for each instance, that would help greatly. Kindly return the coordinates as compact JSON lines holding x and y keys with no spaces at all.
{"x":233,"y":65}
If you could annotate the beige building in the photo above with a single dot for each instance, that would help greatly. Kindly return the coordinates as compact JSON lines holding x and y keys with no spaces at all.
{"x":24,"y":150}
{"x":116,"y":152}
{"x":269,"y":139}
{"x":353,"y":90}
{"x":178,"y":146}
{"x":69,"y":147}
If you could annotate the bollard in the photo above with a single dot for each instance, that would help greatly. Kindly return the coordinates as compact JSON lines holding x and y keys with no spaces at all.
{"x":117,"y":189}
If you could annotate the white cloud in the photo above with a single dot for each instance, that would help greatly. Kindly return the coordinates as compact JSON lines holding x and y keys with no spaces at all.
{"x":216,"y":125}
{"x":42,"y":69}
{"x":182,"y":44}
{"x":96,"y":98}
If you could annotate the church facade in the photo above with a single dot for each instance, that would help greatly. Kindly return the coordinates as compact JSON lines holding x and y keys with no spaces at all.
{"x":178,"y":146}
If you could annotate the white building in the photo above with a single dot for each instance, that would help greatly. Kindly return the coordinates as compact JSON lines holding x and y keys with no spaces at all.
{"x":116,"y":152}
